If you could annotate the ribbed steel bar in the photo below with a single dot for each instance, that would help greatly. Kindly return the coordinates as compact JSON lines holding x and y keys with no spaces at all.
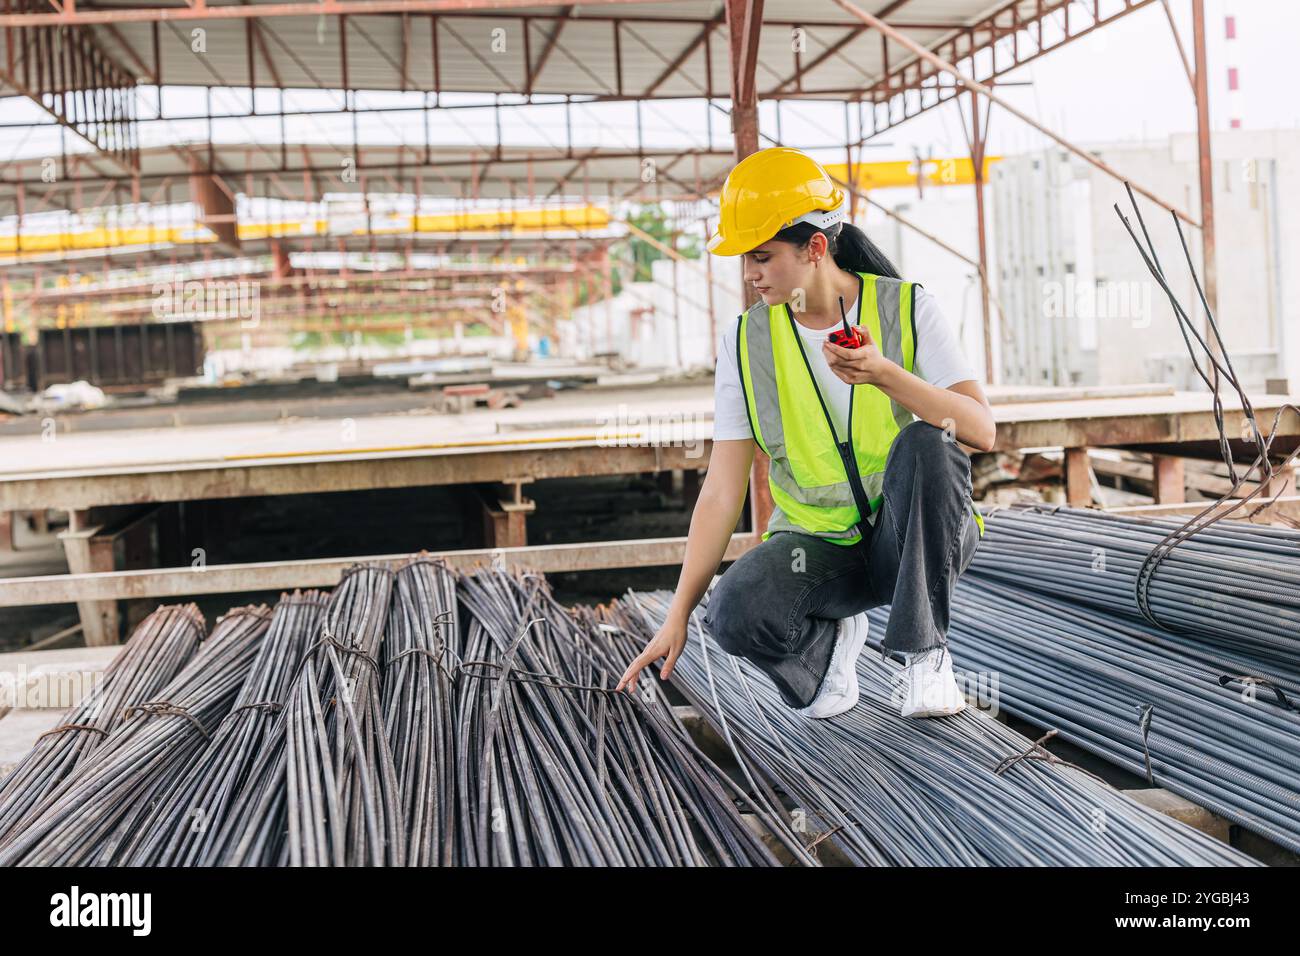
{"x":180,"y":829}
{"x":1235,"y":585}
{"x":557,"y":768}
{"x":344,"y":801}
{"x":85,"y":820}
{"x":963,"y":790}
{"x":428,"y":717}
{"x":157,"y":649}
{"x":421,"y":650}
{"x":1207,"y":712}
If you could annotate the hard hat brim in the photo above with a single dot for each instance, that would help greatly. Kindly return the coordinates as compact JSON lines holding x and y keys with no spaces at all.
{"x":720,"y":245}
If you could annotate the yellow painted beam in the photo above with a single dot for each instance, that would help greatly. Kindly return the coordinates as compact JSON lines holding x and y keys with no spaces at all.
{"x":570,"y":217}
{"x":935,"y":172}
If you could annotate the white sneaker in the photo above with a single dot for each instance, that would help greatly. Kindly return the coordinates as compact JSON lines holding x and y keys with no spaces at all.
{"x":839,"y":689}
{"x":929,"y":688}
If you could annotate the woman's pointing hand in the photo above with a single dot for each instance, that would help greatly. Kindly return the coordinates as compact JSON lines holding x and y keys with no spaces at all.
{"x":668,"y":642}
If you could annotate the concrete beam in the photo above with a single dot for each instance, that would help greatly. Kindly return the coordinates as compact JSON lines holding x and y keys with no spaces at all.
{"x":324,"y":572}
{"x":1182,"y":810}
{"x":318,"y":474}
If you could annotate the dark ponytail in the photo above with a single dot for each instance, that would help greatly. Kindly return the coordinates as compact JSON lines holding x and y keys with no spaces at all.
{"x":848,"y":245}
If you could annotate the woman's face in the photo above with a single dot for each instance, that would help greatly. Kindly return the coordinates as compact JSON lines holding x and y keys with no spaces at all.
{"x":777,"y":268}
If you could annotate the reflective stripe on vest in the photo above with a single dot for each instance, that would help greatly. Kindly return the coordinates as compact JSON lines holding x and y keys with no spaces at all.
{"x":810,"y":489}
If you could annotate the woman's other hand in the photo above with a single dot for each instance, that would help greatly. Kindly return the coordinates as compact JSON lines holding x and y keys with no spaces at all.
{"x":861,"y":366}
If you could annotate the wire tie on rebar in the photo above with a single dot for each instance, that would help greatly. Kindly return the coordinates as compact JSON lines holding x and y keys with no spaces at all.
{"x":1282,"y":699}
{"x":812,"y":847}
{"x":345,"y":648}
{"x":61,"y":728}
{"x":269,"y":706}
{"x":1033,"y":753}
{"x":1144,"y":726}
{"x":164,"y":708}
{"x":535,"y":677}
{"x":435,"y":656}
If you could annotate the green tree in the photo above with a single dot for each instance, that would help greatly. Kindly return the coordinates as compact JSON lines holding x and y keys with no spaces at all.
{"x":635,"y":256}
{"x":655,"y":222}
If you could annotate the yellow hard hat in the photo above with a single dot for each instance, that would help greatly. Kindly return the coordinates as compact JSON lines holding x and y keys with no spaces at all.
{"x":769,"y":190}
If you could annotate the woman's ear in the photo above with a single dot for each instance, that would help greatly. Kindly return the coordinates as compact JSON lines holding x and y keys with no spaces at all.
{"x":816,"y":247}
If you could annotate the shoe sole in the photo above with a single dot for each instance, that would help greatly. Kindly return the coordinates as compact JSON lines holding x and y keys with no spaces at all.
{"x":847,"y":707}
{"x":935,"y":713}
{"x":855,"y":653}
{"x":938,"y":712}
{"x":861,"y":641}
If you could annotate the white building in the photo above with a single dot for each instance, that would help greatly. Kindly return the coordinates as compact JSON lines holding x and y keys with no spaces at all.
{"x":649,"y":326}
{"x":1082,"y":306}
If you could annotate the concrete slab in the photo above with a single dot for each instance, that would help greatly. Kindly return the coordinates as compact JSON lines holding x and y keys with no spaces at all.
{"x":18,"y":732}
{"x":54,"y":679}
{"x":1183,"y":810}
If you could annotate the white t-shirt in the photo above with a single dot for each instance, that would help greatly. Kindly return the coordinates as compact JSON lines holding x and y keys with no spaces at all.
{"x":939,"y":361}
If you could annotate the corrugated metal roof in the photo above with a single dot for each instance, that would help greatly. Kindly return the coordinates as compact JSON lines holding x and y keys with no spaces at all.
{"x":485,"y":53}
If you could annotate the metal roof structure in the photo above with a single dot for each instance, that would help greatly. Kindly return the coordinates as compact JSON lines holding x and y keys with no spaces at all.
{"x":603,"y":50}
{"x":305,"y":172}
{"x":86,"y":63}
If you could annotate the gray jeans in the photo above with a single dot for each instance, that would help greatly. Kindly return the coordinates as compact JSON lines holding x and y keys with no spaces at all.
{"x":777,"y":604}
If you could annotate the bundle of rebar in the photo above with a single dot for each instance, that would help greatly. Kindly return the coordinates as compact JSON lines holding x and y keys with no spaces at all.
{"x":420,"y":661}
{"x":160,"y":645}
{"x":425,"y":717}
{"x":558,"y":769}
{"x":431,"y":717}
{"x":85,"y":820}
{"x":958,"y":790}
{"x":1234,"y":585}
{"x":182,"y":828}
{"x":341,"y":785}
{"x":253,"y":829}
{"x":1205,"y":712}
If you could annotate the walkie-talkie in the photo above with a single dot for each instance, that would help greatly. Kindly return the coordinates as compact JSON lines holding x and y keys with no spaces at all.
{"x":849,"y":338}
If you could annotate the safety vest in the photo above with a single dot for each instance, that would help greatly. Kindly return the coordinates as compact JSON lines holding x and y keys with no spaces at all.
{"x":808,"y":478}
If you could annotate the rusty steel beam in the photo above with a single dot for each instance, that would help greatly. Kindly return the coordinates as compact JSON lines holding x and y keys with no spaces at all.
{"x":145,"y":71}
{"x":682,"y":57}
{"x":533,"y":70}
{"x":744,"y":20}
{"x":940,"y":65}
{"x":1205,"y":176}
{"x":84,"y":15}
{"x":796,"y":79}
{"x":355,"y":470}
{"x":216,"y":205}
{"x":325,"y":572}
{"x":1178,"y":42}
{"x":65,"y":72}
{"x":978,"y":140}
{"x":920,"y":75}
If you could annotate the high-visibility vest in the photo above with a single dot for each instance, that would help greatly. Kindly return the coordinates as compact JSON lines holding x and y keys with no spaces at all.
{"x":808,"y":478}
